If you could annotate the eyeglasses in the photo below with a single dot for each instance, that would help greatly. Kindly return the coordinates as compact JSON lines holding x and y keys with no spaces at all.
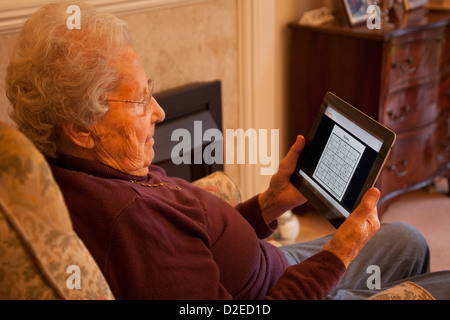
{"x":148,"y":95}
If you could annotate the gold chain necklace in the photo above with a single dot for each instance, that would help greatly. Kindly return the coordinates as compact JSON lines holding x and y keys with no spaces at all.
{"x":156,"y":185}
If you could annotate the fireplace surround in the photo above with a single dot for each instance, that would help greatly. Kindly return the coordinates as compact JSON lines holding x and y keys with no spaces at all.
{"x":200,"y":101}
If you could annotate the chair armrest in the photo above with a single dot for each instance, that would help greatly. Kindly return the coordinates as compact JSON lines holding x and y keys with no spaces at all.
{"x":404,"y":291}
{"x":37,"y":240}
{"x":221,"y":185}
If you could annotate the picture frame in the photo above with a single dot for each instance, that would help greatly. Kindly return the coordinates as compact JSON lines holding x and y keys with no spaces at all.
{"x":413,"y":4}
{"x":356,"y":10}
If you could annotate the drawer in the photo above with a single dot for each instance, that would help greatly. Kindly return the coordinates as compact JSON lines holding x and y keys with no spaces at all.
{"x":444,"y":142}
{"x":444,"y":95}
{"x":416,"y":157}
{"x":410,"y":60}
{"x":445,"y":52}
{"x":412,"y":107}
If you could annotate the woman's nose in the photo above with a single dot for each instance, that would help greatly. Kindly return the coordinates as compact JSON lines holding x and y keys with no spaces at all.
{"x":158,"y":113}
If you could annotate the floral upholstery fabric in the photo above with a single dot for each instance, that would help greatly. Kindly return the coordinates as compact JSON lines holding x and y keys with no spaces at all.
{"x":37,"y":242}
{"x":404,"y":291}
{"x":221,"y":185}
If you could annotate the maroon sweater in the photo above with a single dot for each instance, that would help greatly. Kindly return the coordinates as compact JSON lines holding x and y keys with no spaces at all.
{"x":162,"y":243}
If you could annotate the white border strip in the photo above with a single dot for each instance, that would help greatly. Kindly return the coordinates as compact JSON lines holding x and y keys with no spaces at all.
{"x":256,"y":71}
{"x":13,"y":16}
{"x":324,"y":194}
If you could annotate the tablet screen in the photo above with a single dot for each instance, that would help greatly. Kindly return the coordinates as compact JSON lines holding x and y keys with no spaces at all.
{"x":339,"y":160}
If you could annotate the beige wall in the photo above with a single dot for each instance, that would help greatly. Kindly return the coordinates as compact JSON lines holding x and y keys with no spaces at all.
{"x":288,"y":11}
{"x":199,"y":42}
{"x":191,"y":43}
{"x":6,"y":43}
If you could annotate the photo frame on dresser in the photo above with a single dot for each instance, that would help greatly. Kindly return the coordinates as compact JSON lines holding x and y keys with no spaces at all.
{"x":356,"y":10}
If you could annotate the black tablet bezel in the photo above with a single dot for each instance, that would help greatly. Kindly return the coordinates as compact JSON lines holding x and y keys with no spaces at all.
{"x":368,"y":124}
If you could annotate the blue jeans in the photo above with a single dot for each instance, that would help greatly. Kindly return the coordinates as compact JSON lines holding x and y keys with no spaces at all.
{"x":400,"y":252}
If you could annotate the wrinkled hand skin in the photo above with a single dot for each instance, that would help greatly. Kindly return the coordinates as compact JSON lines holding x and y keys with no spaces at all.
{"x":357,"y":229}
{"x":281,"y":194}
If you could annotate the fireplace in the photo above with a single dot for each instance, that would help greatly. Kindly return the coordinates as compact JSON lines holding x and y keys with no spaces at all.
{"x":183,"y":107}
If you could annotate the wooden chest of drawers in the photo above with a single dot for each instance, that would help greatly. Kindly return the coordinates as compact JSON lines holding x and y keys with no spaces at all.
{"x":400,"y":77}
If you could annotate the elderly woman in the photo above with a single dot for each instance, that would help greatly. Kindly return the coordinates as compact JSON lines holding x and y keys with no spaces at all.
{"x":83,"y":98}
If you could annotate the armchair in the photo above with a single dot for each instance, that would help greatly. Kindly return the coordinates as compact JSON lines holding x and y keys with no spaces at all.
{"x":37,"y":241}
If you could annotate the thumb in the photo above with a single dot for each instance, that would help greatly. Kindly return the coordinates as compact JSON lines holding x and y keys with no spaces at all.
{"x":290,"y":161}
{"x":368,"y":203}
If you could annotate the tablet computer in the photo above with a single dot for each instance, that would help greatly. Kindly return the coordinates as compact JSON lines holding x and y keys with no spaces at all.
{"x":342,"y":158}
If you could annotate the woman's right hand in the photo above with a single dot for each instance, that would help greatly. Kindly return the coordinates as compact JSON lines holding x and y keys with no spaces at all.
{"x":357,"y":229}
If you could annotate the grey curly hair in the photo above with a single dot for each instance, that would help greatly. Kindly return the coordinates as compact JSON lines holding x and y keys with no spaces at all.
{"x":58,"y":75}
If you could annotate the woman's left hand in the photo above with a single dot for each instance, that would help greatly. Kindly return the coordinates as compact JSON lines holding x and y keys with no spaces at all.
{"x":281,"y":194}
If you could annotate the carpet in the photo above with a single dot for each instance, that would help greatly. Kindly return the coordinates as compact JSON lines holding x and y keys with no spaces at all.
{"x":429,"y":211}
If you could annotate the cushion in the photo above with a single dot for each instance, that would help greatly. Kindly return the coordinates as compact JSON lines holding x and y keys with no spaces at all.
{"x":41,"y":257}
{"x":221,"y":185}
{"x":405,"y":291}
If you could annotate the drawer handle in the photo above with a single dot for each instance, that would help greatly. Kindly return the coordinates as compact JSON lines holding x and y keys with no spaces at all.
{"x":400,"y":116}
{"x":448,"y":94}
{"x":407,"y":67}
{"x":397,"y":172}
{"x":445,"y":144}
{"x":442,"y":40}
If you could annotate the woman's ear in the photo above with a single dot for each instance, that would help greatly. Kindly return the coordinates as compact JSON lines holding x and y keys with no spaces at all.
{"x":79,"y":135}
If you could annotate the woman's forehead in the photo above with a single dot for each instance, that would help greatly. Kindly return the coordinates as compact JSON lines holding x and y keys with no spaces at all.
{"x":131,"y":72}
